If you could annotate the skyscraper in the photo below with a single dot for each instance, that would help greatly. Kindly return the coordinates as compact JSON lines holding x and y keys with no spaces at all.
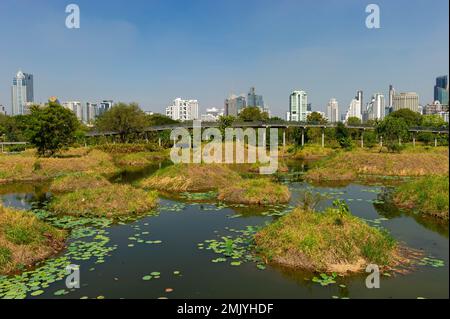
{"x":298,"y":106}
{"x":104,"y":106}
{"x":408,"y":100}
{"x":77,"y":108}
{"x":355,"y":107}
{"x":441,"y":90}
{"x":391,"y":96}
{"x":21,"y":93}
{"x":254,"y":99}
{"x":376,"y":107}
{"x":333,"y":111}
{"x":234,"y":104}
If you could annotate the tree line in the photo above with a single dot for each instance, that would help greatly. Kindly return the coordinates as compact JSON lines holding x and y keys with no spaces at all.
{"x":53,"y":128}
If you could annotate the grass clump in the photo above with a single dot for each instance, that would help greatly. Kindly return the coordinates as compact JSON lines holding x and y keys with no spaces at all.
{"x":139,"y":159}
{"x":309,"y":152}
{"x":126,"y":148}
{"x":364,"y":163}
{"x":77,"y":181}
{"x":26,"y":167}
{"x":329,"y":241}
{"x":25,"y":240}
{"x":109,"y":201}
{"x":191,"y":178}
{"x":258,"y":191}
{"x":428,"y":196}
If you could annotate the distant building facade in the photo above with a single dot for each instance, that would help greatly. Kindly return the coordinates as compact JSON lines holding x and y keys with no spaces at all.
{"x":22,"y":92}
{"x":376,"y":108}
{"x":183,"y":110}
{"x":333,"y":111}
{"x":441,"y":90}
{"x":408,"y":100}
{"x":355,"y":107}
{"x":298,"y":106}
{"x":254,"y":99}
{"x":234,"y":105}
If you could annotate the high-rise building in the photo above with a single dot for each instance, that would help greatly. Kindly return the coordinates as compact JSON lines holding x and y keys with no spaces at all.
{"x":234,"y":104}
{"x":441,"y":90}
{"x":2,"y":109}
{"x":391,"y":96}
{"x":22,"y":92}
{"x":298,"y":106}
{"x":254,"y":99}
{"x":408,"y":100}
{"x":333,"y":111}
{"x":104,"y":106}
{"x":355,"y":107}
{"x":183,"y":110}
{"x":76,"y":107}
{"x":376,"y":108}
{"x":90,"y":112}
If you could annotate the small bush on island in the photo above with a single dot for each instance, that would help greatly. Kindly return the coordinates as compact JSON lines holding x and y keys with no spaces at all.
{"x":25,"y":240}
{"x":109,"y":201}
{"x":329,"y":241}
{"x":191,"y":178}
{"x":258,"y":191}
{"x":427,"y":196}
{"x":77,"y":181}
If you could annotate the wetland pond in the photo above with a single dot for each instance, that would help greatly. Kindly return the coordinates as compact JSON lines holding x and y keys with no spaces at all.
{"x":164,"y":255}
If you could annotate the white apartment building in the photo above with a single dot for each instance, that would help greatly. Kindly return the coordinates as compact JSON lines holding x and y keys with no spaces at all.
{"x":333,"y":111}
{"x":76,"y":107}
{"x":183,"y":110}
{"x":354,"y":110}
{"x":298,"y":106}
{"x":376,"y":107}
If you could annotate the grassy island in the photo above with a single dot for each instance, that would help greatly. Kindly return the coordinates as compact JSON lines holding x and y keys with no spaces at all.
{"x":427,"y":196}
{"x":25,"y":240}
{"x":78,"y":181}
{"x":191,"y":178}
{"x":109,"y":201}
{"x":329,"y":241}
{"x":258,"y":191}
{"x":27,"y":167}
{"x":351,"y":165}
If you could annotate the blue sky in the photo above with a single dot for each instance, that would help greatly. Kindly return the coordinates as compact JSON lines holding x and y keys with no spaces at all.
{"x":152,"y":51}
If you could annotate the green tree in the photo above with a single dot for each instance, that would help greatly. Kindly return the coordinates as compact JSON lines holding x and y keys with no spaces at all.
{"x":159,"y":119}
{"x":342,"y":135}
{"x":52,"y":128}
{"x":316,"y":118}
{"x":393,"y":129}
{"x":253,"y":113}
{"x":353,"y":121}
{"x":126,"y":119}
{"x":411,"y":118}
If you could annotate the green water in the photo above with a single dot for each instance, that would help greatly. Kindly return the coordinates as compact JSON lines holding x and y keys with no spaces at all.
{"x":167,"y":241}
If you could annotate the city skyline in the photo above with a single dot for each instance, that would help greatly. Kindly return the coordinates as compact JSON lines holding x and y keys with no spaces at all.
{"x":102,"y":59}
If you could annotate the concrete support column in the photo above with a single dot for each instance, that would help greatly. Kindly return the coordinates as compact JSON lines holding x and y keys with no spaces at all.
{"x":381,"y":141}
{"x":303,"y":136}
{"x":362,"y":139}
{"x":435,"y":141}
{"x":159,"y":141}
{"x":323,"y":137}
{"x":414,"y":140}
{"x":399,"y":141}
{"x":284,"y":137}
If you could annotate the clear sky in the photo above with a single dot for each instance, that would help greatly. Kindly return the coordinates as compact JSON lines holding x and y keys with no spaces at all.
{"x":152,"y":51}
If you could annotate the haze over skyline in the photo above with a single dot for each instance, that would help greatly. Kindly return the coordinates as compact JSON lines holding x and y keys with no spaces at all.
{"x":151,"y":52}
